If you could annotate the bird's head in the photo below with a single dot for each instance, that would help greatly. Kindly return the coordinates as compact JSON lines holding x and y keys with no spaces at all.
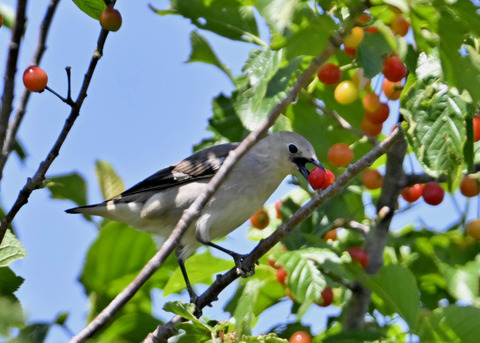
{"x":297,"y":150}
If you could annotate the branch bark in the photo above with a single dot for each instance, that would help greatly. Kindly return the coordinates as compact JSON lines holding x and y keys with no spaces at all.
{"x":8,"y":142}
{"x":394,"y":181}
{"x":11,"y":68}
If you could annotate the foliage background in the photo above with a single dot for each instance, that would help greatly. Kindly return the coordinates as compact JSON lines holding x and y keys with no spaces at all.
{"x":140,"y":94}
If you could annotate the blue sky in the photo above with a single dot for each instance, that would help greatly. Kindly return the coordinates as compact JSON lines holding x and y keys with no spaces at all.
{"x":145,"y":109}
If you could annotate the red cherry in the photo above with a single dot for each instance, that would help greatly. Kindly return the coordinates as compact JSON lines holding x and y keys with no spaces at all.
{"x":327,"y":297}
{"x":320,"y":179}
{"x":359,"y":255}
{"x":370,"y":128}
{"x":432,"y":193}
{"x":278,"y":204}
{"x":379,"y":115}
{"x":413,"y":193}
{"x":476,"y":129}
{"x":329,"y":74}
{"x":35,"y":79}
{"x":394,"y":69}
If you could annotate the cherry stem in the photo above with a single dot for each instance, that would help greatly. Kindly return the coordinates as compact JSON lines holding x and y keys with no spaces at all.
{"x":69,"y":99}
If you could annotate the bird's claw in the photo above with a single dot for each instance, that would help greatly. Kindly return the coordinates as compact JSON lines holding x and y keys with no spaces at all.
{"x":243,"y":269}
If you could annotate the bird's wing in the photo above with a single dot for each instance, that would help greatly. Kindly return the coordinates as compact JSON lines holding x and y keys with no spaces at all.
{"x":200,"y":165}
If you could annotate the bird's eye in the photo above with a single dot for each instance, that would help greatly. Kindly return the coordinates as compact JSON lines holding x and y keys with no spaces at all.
{"x":292,"y":148}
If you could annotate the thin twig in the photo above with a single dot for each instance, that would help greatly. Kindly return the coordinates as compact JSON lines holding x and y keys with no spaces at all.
{"x":11,"y":68}
{"x":35,"y":181}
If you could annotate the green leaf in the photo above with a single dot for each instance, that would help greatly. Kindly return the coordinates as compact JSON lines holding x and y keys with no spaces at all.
{"x":203,"y":52}
{"x":311,"y":34}
{"x":91,"y":7}
{"x":186,"y":311}
{"x":267,"y":295}
{"x":129,"y":327}
{"x":11,"y":315}
{"x":33,"y":333}
{"x":225,"y":121}
{"x":456,"y":323}
{"x":278,"y":14}
{"x":268,"y":84}
{"x":9,"y":282}
{"x":11,"y":249}
{"x":113,"y":261}
{"x":435,"y":117}
{"x":8,"y":15}
{"x":371,"y":52}
{"x":227,"y":19}
{"x":304,"y":279}
{"x":200,"y":269}
{"x":395,"y":291}
{"x":110,"y":183}
{"x":462,"y":281}
{"x":71,"y":187}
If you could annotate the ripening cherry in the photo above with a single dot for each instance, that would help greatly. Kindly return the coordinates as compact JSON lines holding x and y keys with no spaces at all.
{"x":372,"y":179}
{"x":111,"y":19}
{"x":370,"y":128}
{"x":371,"y":102}
{"x":413,"y":193}
{"x":400,"y":25}
{"x":278,"y":204}
{"x":346,"y":92}
{"x":379,"y":115}
{"x":281,"y":275}
{"x":371,"y":29}
{"x":320,"y":179}
{"x":394,"y":69}
{"x":392,"y":90}
{"x":329,"y":74}
{"x":1,"y":20}
{"x":476,"y":129}
{"x":469,"y":186}
{"x":330,"y":235}
{"x":432,"y":193}
{"x":35,"y":79}
{"x":352,"y":52}
{"x":359,"y":255}
{"x":340,"y":155}
{"x":300,"y":337}
{"x":364,"y":18}
{"x":354,"y":38}
{"x":327,"y":297}
{"x":473,"y":228}
{"x":260,"y":219}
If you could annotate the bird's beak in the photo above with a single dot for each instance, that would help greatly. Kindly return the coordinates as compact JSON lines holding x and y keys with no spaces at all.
{"x":302,"y":161}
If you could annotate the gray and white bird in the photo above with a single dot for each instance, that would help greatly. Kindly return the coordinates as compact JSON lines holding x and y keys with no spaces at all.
{"x":156,"y":204}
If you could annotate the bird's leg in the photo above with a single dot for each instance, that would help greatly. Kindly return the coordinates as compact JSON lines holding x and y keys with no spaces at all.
{"x":243,"y":269}
{"x":181,"y":263}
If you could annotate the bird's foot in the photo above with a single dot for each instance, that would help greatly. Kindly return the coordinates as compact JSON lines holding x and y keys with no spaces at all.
{"x":243,"y":269}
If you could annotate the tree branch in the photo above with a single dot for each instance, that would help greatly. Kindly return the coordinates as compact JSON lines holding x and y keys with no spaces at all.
{"x":163,"y":332}
{"x":11,"y":68}
{"x":11,"y":134}
{"x":37,"y":179}
{"x":395,"y":179}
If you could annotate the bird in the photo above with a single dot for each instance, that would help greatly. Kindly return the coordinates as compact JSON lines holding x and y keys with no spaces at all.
{"x":156,"y":204}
